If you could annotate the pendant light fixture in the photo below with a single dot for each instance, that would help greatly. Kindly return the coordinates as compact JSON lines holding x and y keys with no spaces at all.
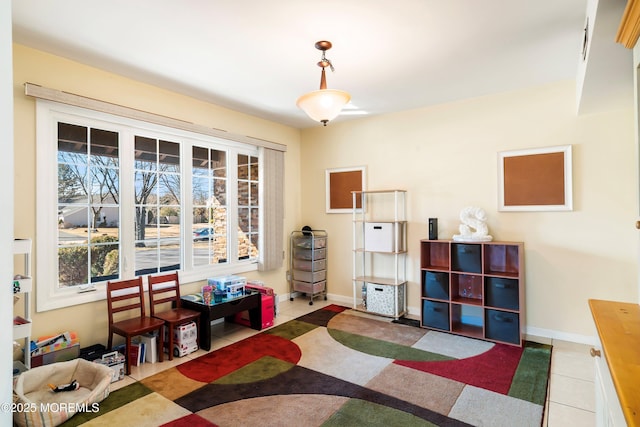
{"x":324,"y":104}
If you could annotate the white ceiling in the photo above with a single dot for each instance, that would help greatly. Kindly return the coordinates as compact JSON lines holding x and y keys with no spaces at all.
{"x":258,"y":56}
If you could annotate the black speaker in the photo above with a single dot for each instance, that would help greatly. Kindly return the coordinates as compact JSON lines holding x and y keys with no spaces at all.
{"x":433,"y":228}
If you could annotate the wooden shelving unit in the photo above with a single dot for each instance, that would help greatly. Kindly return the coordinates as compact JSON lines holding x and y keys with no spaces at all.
{"x":475,"y":289}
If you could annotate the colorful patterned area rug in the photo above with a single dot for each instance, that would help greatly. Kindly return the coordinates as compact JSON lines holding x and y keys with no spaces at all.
{"x":336,"y":367}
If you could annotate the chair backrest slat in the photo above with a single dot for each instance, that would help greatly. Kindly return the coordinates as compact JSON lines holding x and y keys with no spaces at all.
{"x":125,"y":295}
{"x":164,"y":288}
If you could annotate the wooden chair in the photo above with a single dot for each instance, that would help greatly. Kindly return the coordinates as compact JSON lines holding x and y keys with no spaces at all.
{"x":128,"y":296}
{"x":165,"y":288}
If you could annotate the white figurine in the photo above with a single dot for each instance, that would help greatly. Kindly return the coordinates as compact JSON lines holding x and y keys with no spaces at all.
{"x":473,"y":218}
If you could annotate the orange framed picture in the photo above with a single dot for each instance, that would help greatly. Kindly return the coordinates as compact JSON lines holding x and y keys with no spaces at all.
{"x":536,"y":179}
{"x":340,"y":182}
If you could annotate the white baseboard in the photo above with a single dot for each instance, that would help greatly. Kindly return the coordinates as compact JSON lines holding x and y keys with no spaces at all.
{"x":561,"y":336}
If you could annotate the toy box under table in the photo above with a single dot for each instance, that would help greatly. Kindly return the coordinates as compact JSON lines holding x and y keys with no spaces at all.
{"x":267,"y":313}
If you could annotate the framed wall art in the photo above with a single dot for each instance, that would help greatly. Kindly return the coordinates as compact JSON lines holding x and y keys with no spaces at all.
{"x":536,"y":179}
{"x":340,"y":182}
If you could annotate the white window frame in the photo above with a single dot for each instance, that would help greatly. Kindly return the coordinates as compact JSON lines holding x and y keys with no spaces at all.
{"x":48,"y":114}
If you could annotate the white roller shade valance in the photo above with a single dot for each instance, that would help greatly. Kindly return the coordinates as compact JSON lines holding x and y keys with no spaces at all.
{"x":41,"y":92}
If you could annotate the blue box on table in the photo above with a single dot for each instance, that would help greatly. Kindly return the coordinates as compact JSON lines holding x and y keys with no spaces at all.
{"x":232,"y":286}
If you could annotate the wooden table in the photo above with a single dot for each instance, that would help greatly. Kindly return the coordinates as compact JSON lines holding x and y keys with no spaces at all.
{"x":251,"y":301}
{"x":618,"y":325}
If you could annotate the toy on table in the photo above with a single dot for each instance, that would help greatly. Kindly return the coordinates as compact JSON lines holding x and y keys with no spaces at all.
{"x":207,"y":290}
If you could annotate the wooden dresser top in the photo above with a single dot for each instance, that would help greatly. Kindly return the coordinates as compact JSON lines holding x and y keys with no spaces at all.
{"x":618,"y":325}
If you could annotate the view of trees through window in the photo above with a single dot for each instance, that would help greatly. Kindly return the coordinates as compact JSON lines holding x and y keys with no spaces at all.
{"x":92,"y":214}
{"x":88,"y":204}
{"x":157,"y":205}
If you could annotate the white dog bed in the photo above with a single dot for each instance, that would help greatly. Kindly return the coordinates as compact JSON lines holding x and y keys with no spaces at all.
{"x":38,"y":405}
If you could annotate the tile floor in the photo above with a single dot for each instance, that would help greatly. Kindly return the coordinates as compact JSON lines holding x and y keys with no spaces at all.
{"x":570,"y":400}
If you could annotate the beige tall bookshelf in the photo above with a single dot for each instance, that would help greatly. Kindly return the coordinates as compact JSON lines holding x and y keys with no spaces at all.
{"x":379,"y":252}
{"x":475,"y":289}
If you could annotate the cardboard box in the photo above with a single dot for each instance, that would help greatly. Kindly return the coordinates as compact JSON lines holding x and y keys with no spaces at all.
{"x":260,"y":287}
{"x":49,"y":344}
{"x":235,"y":291}
{"x":61,"y":355}
{"x":223,"y":282}
{"x":268,"y":312}
{"x":255,"y":286}
{"x":232,"y":286}
{"x":115,"y":361}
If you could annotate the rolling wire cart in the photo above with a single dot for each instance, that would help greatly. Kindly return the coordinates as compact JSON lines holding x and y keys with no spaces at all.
{"x":308,"y":263}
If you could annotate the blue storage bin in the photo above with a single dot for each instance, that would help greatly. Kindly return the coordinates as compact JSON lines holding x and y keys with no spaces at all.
{"x":502,"y":326}
{"x":435,"y":315}
{"x":502,"y":293}
{"x":466,"y":257}
{"x":436,"y":284}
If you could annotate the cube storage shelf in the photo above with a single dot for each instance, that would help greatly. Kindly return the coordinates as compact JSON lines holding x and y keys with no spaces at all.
{"x":475,"y":289}
{"x":308,"y":263}
{"x":379,"y":252}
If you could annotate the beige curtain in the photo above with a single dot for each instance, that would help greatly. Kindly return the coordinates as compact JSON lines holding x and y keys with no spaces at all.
{"x":272,"y":253}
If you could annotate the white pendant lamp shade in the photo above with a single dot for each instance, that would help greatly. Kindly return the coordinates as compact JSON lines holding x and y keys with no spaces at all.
{"x":324,"y":104}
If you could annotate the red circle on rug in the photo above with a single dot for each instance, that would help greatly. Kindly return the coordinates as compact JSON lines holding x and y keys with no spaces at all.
{"x":232,"y":357}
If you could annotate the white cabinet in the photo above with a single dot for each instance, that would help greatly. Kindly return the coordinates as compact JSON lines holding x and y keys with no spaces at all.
{"x":608,"y":409}
{"x":22,"y":288}
{"x":616,"y":362}
{"x":379,"y":252}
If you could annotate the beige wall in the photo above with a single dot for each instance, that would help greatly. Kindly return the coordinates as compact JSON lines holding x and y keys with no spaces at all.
{"x":446,"y":158}
{"x":90,"y":320}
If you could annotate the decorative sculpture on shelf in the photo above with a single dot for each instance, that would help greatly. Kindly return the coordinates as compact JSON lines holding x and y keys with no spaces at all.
{"x":473,"y":218}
